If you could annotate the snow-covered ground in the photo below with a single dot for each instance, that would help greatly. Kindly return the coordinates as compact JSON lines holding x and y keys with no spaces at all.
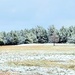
{"x":45,"y":44}
{"x":61,"y":58}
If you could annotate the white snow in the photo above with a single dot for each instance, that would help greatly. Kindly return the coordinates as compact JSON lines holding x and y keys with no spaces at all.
{"x":35,"y":70}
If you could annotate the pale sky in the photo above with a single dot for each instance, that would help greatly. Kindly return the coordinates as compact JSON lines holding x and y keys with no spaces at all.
{"x":21,"y":14}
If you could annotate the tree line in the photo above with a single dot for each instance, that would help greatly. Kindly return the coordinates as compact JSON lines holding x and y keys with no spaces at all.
{"x":39,"y":35}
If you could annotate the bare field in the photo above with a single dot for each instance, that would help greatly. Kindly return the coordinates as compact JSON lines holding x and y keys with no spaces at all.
{"x":39,"y":59}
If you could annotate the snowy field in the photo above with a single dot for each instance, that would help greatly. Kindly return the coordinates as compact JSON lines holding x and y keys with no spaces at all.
{"x":37,"y":63}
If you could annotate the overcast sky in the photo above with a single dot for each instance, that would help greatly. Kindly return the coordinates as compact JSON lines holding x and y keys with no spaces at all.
{"x":21,"y":14}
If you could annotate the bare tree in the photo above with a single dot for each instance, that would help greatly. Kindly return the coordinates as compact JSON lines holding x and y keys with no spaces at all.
{"x":54,"y":38}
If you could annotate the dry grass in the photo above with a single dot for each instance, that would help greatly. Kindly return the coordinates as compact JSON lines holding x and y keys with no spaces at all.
{"x":40,"y":47}
{"x":42,"y":63}
{"x":8,"y":73}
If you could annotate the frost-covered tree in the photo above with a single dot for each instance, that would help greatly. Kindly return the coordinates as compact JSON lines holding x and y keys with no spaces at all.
{"x":71,"y":39}
{"x":54,"y":38}
{"x":63,"y":35}
{"x":51,"y":31}
{"x":41,"y":34}
{"x":71,"y":31}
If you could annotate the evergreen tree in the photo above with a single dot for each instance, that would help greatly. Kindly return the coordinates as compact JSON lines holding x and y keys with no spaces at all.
{"x":41,"y":34}
{"x":63,"y":35}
